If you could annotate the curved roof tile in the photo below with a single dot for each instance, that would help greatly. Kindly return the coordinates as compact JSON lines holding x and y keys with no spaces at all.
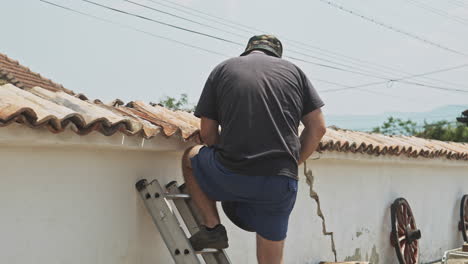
{"x":58,"y":110}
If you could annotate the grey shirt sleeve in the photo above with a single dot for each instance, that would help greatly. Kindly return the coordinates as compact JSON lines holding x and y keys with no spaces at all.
{"x":311,"y":100}
{"x":207,"y":105}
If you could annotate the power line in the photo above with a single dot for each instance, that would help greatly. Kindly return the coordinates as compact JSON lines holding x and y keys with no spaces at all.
{"x":161,"y":23}
{"x":389,"y":69}
{"x":364,"y":90}
{"x":226,"y":40}
{"x":294,"y":43}
{"x":252,"y":29}
{"x":439,"y":12}
{"x":184,"y":9}
{"x":392,"y":28}
{"x":294,"y":58}
{"x":456,"y":3}
{"x":135,"y":29}
{"x":365,"y":73}
{"x":182,"y":43}
{"x":145,"y":32}
{"x":183,"y":18}
{"x":407,"y":82}
{"x":336,"y":68}
{"x":232,"y":42}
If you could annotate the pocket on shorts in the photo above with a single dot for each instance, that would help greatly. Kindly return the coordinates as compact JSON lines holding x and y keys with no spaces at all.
{"x":278,"y":188}
{"x":293,"y":185}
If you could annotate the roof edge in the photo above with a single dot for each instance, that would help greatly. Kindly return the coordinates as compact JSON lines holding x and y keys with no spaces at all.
{"x":16,"y":135}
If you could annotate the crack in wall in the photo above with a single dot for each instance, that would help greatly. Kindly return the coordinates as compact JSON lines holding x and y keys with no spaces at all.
{"x":314,"y":195}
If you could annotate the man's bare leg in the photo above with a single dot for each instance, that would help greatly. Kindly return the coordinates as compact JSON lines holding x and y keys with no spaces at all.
{"x":269,"y":252}
{"x":206,"y":206}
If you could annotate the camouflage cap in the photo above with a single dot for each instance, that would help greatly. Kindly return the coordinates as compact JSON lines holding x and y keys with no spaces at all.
{"x":267,"y":43}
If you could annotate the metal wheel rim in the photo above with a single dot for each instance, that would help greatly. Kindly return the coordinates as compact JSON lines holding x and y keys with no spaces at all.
{"x":402,"y":219}
{"x":464,"y":217}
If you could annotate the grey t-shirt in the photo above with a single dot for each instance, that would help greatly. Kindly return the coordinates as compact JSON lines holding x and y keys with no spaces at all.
{"x":259,"y":101}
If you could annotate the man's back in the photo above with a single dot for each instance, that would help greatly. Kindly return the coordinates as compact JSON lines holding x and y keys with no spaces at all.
{"x":258,"y":100}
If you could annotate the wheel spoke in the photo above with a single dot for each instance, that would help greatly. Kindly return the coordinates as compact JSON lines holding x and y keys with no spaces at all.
{"x":407,"y":255}
{"x":400,"y":220}
{"x":411,"y":253}
{"x":465,"y":211}
{"x":405,"y":220}
{"x":416,"y":252}
{"x":401,"y":230}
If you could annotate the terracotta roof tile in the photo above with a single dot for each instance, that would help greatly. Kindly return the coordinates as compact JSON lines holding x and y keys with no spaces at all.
{"x":23,"y":77}
{"x":57,"y":110}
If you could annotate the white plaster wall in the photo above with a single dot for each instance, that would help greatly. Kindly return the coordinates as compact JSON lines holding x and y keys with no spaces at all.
{"x":79,"y":205}
{"x":62,"y":203}
{"x":356,"y":196}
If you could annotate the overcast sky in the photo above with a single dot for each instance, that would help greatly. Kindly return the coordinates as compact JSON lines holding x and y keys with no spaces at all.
{"x":108,"y":61}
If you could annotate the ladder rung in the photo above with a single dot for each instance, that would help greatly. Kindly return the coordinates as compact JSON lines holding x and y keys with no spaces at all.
{"x":207,"y":251}
{"x":177,"y":196}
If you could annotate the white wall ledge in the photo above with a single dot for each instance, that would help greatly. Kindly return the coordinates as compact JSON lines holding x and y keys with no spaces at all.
{"x":19,"y":135}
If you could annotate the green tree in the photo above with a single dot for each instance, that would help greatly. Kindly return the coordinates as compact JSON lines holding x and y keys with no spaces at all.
{"x":445,"y":131}
{"x":177,"y":104}
{"x":396,"y":126}
{"x":440,"y":130}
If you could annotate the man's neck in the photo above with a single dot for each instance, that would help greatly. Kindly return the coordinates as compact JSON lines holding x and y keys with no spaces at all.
{"x":257,"y":51}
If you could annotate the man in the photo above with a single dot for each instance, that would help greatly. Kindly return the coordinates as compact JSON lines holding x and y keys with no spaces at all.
{"x":251,"y":165}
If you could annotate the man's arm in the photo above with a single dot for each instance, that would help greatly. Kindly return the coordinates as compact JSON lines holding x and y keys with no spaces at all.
{"x":209,"y":132}
{"x":313,"y":132}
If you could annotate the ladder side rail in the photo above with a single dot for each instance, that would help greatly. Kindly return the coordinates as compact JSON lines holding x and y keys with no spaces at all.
{"x":193,"y":219}
{"x":167,"y":223}
{"x":189,"y":219}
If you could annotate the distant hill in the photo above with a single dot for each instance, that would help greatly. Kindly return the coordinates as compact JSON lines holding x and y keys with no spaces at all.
{"x":367,"y":122}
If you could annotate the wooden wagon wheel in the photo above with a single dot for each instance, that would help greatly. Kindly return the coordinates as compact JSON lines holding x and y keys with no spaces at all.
{"x":404,"y":236}
{"x":463,"y":224}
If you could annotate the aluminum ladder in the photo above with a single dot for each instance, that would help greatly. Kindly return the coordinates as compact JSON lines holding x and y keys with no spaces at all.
{"x":156,"y":200}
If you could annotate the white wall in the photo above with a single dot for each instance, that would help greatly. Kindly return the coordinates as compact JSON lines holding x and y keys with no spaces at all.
{"x":78,"y":206}
{"x":69,"y":204}
{"x":356,"y":195}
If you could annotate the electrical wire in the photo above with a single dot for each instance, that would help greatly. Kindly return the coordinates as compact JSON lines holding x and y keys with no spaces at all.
{"x":362,"y":71}
{"x":183,"y":18}
{"x":184,"y":9}
{"x":392,"y":28}
{"x":135,"y":29}
{"x":232,"y":42}
{"x":402,"y":80}
{"x":161,"y":22}
{"x":369,"y":91}
{"x":456,"y":3}
{"x":227,"y":40}
{"x":252,"y":29}
{"x":142,"y":31}
{"x":294,"y":43}
{"x":438,"y":12}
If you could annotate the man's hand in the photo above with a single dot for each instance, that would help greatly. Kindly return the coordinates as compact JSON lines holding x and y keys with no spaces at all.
{"x":313,"y":132}
{"x":209,"y":132}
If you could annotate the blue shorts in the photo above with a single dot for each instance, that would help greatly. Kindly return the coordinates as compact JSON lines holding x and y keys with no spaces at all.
{"x":261,"y":203}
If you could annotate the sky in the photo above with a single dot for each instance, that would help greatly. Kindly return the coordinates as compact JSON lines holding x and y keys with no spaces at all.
{"x":116,"y":60}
